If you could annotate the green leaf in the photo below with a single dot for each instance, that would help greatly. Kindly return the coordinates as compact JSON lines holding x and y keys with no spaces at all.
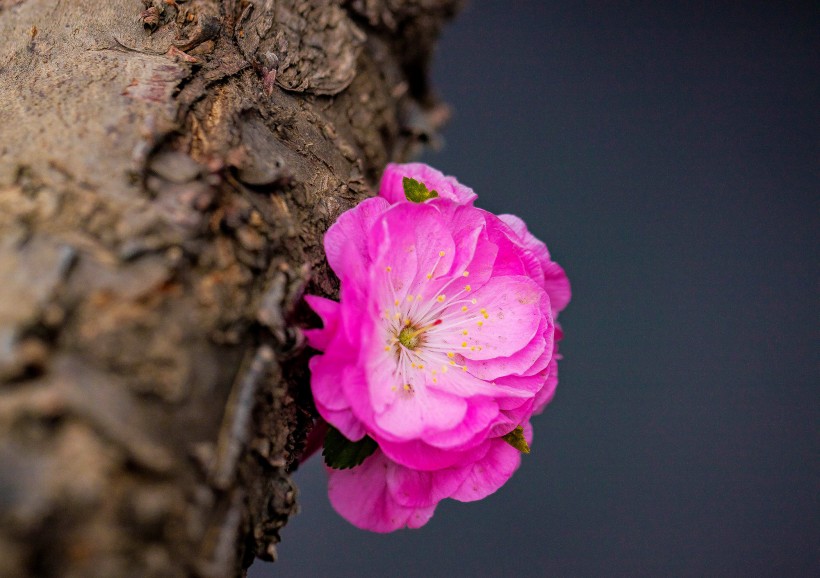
{"x":340,"y":453}
{"x":415,"y":191}
{"x":516,"y":439}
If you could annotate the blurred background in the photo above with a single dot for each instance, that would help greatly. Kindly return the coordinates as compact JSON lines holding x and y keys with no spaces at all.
{"x":668,"y":155}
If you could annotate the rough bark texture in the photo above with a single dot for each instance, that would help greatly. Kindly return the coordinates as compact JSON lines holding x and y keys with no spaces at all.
{"x":167,"y":170}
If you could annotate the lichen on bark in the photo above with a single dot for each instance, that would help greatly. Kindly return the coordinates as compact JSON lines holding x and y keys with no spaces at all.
{"x":167,"y":170}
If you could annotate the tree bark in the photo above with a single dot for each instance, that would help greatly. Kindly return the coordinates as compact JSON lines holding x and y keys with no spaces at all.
{"x":167,"y":170}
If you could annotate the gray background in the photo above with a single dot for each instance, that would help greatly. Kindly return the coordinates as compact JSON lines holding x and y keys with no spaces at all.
{"x":669,"y":157}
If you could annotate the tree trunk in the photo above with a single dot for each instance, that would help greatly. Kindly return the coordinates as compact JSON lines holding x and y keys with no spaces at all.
{"x":167,"y":170}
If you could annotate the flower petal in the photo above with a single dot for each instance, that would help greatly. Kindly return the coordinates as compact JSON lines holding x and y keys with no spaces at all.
{"x":418,"y":489}
{"x":329,"y":312}
{"x":556,"y":282}
{"x":346,"y":240}
{"x":492,"y":471}
{"x":408,"y":243}
{"x":416,"y":414}
{"x":392,"y":189}
{"x":361,"y":496}
{"x":511,"y":311}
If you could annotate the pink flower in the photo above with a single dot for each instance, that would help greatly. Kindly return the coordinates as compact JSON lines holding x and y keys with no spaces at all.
{"x":442,"y":342}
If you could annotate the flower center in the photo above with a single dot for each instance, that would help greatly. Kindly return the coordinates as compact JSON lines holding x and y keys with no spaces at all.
{"x":410,"y":337}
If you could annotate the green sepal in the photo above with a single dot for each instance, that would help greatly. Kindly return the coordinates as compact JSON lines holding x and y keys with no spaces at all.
{"x":415,"y":191}
{"x":516,"y":439}
{"x":340,"y":453}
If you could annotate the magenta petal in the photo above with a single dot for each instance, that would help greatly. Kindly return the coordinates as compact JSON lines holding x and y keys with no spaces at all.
{"x":361,"y":496}
{"x":481,"y":412}
{"x":414,"y":416}
{"x":409,"y":242}
{"x":492,"y":471}
{"x":329,"y":377}
{"x":416,"y":489}
{"x":513,"y":313}
{"x":346,"y":240}
{"x":547,"y":392}
{"x":556,"y":282}
{"x":329,"y":312}
{"x":529,"y":360}
{"x":419,"y":455}
{"x":392,"y":189}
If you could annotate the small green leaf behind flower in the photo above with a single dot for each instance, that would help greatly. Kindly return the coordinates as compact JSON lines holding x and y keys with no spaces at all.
{"x":415,"y":191}
{"x":516,"y":439}
{"x":340,"y":453}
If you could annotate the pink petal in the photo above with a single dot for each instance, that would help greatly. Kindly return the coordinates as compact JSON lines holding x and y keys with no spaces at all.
{"x":492,"y":471}
{"x":481,"y":412}
{"x":512,"y":306}
{"x":513,"y":258}
{"x":547,"y":392}
{"x":557,"y":285}
{"x":346,"y":240}
{"x":361,"y":496}
{"x":417,"y":489}
{"x":556,"y":282}
{"x":392,"y":189}
{"x":329,"y":312}
{"x":413,"y":241}
{"x":529,"y":360}
{"x":418,"y":455}
{"x":418,"y":413}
